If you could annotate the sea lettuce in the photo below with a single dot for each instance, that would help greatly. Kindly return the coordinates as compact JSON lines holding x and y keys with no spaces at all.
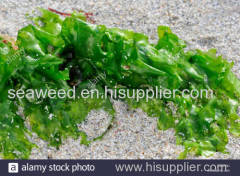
{"x":62,"y":53}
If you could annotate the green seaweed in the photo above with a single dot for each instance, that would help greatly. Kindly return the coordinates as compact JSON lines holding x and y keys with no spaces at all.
{"x":62,"y":53}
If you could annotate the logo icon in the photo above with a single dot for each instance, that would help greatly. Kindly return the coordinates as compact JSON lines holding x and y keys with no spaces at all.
{"x":12,"y":167}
